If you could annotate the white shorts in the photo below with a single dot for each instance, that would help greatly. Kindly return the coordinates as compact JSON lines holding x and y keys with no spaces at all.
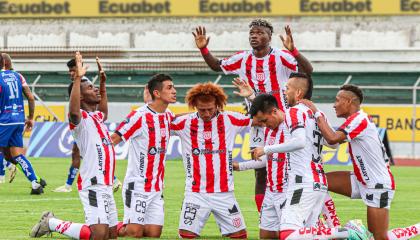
{"x":196,"y":209}
{"x":372,"y":197}
{"x":256,"y":137}
{"x":99,"y":205}
{"x":271,"y":210}
{"x":142,"y":207}
{"x":303,"y":207}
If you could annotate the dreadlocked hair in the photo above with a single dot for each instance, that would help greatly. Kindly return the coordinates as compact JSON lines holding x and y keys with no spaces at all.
{"x":206,"y":92}
{"x":261,"y":23}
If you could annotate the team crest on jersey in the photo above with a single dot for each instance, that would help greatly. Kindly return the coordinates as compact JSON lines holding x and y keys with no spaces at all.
{"x":207,"y":135}
{"x":260,"y":76}
{"x":271,"y":141}
{"x":196,"y":151}
{"x":152,"y":151}
{"x":237,"y":222}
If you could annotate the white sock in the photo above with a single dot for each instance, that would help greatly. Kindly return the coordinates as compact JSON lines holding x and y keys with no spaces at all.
{"x":318,"y":233}
{"x":404,"y":233}
{"x":329,"y":212}
{"x":69,"y":229}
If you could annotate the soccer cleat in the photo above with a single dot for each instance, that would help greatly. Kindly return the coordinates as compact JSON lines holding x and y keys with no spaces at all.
{"x":64,"y":189}
{"x":2,"y":180}
{"x":37,"y":190}
{"x":42,"y":182}
{"x":12,"y":170}
{"x":357,"y":231}
{"x":117,"y":184}
{"x":41,"y":228}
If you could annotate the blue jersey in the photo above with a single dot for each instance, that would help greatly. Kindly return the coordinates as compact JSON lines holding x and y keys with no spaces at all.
{"x":11,"y":100}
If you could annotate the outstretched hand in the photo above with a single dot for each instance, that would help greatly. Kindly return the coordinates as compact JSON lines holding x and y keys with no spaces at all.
{"x":288,"y":39}
{"x":309,"y":104}
{"x":200,"y":37}
{"x":102,"y":75}
{"x":80,"y":69}
{"x":244,"y":89}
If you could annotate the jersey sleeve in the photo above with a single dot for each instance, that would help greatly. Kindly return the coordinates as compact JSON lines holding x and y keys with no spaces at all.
{"x":354,"y":126}
{"x":295,"y":118}
{"x":238,"y":120}
{"x":178,"y":125}
{"x":289,"y":63}
{"x":232,"y":64}
{"x":131,"y":126}
{"x":23,"y":80}
{"x":76,"y":129}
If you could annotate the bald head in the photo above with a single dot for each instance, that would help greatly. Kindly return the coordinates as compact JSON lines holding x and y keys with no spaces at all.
{"x":7,"y":61}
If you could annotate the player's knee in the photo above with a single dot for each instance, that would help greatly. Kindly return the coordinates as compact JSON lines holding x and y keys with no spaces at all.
{"x":238,"y":235}
{"x":186,"y":234}
{"x":380,"y":236}
{"x":99,"y":235}
{"x":134,"y":231}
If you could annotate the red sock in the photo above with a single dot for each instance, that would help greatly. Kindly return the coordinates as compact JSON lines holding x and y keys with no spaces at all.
{"x":85,"y":232}
{"x":259,"y":198}
{"x":186,"y":235}
{"x":119,"y":226}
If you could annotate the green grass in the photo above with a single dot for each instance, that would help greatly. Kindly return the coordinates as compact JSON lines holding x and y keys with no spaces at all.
{"x":19,"y":210}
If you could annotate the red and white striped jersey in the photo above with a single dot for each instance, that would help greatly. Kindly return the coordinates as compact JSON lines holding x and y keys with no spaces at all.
{"x":306,"y":165}
{"x":370,"y":161}
{"x":148,"y":134}
{"x":207,"y":149}
{"x":96,"y":149}
{"x":265,"y":75}
{"x":277,"y":162}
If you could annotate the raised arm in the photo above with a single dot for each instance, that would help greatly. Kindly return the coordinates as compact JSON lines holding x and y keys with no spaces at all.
{"x":303,"y":64}
{"x":330,"y":135}
{"x":103,"y":105}
{"x":74,"y":104}
{"x":201,"y":41}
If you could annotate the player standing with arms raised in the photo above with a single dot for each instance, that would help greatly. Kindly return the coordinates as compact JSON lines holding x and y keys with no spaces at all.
{"x":265,"y":68}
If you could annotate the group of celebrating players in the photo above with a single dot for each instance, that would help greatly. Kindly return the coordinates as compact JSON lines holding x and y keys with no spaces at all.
{"x":287,"y":135}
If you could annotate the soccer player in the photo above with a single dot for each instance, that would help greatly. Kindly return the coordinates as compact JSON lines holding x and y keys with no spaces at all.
{"x":371,"y":179}
{"x":13,"y":123}
{"x":75,"y":153}
{"x":147,"y":129}
{"x":88,"y":110}
{"x":207,"y":138}
{"x":307,"y":183}
{"x":265,"y":68}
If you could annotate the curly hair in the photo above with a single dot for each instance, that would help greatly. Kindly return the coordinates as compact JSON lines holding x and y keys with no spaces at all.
{"x":261,"y":23}
{"x":206,"y":92}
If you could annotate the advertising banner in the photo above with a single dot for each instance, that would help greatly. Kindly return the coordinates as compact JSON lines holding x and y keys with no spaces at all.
{"x":204,"y":8}
{"x":398,"y":121}
{"x":53,"y":139}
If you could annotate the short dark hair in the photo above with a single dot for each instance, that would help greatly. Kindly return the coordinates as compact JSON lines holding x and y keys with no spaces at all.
{"x":71,"y":63}
{"x":70,"y":87}
{"x":262,"y":23}
{"x":263,"y":103}
{"x":1,"y":61}
{"x":308,"y":94}
{"x":156,"y":83}
{"x":354,"y":89}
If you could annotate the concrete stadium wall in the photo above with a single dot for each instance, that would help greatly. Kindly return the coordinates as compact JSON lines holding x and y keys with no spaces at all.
{"x":226,"y":33}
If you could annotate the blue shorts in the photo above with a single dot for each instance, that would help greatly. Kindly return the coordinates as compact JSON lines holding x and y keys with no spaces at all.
{"x":11,"y":135}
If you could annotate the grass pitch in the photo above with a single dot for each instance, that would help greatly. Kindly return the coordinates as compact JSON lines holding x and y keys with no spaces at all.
{"x":19,"y":210}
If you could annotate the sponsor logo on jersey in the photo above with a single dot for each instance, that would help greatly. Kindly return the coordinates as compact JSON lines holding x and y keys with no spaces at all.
{"x":100,"y":156}
{"x":106,"y":142}
{"x":152,"y":151}
{"x":233,"y":210}
{"x":141,"y":164}
{"x":320,"y":187}
{"x":363,"y":168}
{"x":196,"y":151}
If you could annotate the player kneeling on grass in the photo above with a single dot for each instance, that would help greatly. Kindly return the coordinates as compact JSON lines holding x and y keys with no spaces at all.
{"x":207,"y":138}
{"x":88,"y":111}
{"x":147,"y":128}
{"x":371,"y":180}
